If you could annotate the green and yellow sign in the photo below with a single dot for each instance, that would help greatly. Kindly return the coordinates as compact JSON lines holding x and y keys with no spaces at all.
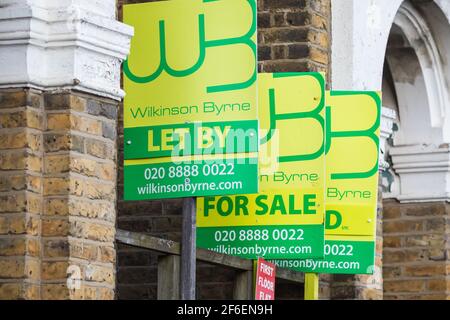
{"x":285,"y":220}
{"x":302,"y":189}
{"x":353,"y":127}
{"x":190,"y":113}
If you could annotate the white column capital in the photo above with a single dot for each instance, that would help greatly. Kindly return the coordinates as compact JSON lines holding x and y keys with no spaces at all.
{"x":424,"y":172}
{"x":63,"y":44}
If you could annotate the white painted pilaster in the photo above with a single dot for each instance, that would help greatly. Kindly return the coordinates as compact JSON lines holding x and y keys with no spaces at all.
{"x":63,"y":44}
{"x":360,"y":31}
{"x":388,"y":118}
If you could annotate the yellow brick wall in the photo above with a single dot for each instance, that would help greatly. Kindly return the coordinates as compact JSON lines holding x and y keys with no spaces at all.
{"x":57,"y":195}
{"x":416,"y":250}
{"x":21,"y":176}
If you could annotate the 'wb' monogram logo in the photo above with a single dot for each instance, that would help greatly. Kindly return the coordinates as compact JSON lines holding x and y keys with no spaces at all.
{"x":333,"y":126}
{"x":204,"y":45}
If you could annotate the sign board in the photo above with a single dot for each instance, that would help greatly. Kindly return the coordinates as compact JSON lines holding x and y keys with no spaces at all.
{"x":265,"y":280}
{"x":353,"y":128}
{"x":285,"y":220}
{"x":190,"y":113}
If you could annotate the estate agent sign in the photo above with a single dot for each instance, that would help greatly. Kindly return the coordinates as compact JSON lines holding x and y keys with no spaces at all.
{"x":190,"y":113}
{"x":353,"y":127}
{"x":302,"y":191}
{"x":285,"y":220}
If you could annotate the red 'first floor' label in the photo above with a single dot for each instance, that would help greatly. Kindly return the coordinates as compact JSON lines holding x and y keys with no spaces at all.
{"x":265,"y":280}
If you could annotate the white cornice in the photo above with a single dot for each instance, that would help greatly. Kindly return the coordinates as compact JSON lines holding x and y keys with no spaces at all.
{"x":46,"y":46}
{"x":424,"y":172}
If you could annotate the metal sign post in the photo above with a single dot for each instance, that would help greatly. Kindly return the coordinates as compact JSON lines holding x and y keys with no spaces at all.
{"x":188,"y":250}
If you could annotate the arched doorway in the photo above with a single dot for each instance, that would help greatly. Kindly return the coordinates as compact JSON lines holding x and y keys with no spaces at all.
{"x":416,"y":188}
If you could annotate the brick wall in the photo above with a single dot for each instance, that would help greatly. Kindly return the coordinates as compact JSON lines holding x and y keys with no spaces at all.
{"x":293,"y":37}
{"x":416,"y":250}
{"x":78,"y":226}
{"x":57,"y":195}
{"x":21,"y":149}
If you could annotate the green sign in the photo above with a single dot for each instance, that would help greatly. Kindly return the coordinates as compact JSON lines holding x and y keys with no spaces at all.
{"x":341,"y":257}
{"x":207,"y":177}
{"x":190,"y":113}
{"x":285,"y":220}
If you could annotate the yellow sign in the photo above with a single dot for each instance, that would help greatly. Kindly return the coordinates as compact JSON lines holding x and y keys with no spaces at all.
{"x":286,"y":218}
{"x":353,"y":128}
{"x":353,"y":122}
{"x":191,"y":94}
{"x":191,"y":61}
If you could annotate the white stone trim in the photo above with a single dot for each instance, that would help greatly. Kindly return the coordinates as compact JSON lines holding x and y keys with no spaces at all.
{"x":388,"y":117}
{"x":47,"y":46}
{"x":424,"y":172}
{"x":389,"y":180}
{"x":421,"y":39}
{"x":360,"y":32}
